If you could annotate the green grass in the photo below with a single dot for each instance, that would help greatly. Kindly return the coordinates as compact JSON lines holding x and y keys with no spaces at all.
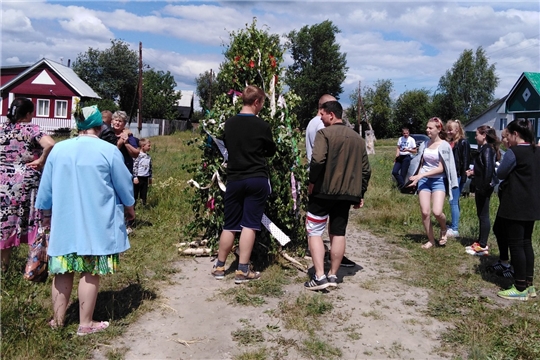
{"x":462,"y":292}
{"x":26,"y":307}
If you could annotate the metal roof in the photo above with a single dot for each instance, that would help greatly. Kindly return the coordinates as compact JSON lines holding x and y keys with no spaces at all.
{"x":66,"y":73}
{"x":534,"y":79}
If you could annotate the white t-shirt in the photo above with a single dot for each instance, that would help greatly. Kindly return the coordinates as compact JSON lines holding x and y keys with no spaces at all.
{"x":406,"y":143}
{"x":431,"y":161}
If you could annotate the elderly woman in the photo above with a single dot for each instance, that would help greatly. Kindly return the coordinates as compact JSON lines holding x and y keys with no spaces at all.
{"x":127,"y":143}
{"x":23,"y":151}
{"x":88,"y":191}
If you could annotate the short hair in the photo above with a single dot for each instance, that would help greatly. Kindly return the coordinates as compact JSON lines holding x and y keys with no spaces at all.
{"x":106,"y":112}
{"x":325,"y":98}
{"x":252,"y":93}
{"x":333,"y":107}
{"x":460,"y":133}
{"x":403,"y":128}
{"x":121,"y":115}
{"x":19,"y":108}
{"x":143,"y":141}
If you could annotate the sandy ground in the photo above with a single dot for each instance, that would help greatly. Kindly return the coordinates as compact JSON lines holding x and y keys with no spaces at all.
{"x":375,"y":316}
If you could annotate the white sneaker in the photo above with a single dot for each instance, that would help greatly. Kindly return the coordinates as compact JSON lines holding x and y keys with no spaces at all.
{"x":452,"y":233}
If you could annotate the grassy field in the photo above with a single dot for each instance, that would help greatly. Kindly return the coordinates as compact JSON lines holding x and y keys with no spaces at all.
{"x":461,"y":288}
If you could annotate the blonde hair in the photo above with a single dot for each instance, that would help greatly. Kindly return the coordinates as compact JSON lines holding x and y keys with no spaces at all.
{"x":143,"y":141}
{"x":460,"y":133}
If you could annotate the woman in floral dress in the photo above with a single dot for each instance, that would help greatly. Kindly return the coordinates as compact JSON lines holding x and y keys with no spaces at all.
{"x":23,"y":151}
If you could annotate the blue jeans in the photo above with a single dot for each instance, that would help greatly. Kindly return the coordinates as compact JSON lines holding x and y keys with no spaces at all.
{"x":401,"y":166}
{"x":454,"y":205}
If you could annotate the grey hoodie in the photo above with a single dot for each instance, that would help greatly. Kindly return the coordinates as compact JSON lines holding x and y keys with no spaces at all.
{"x":447,"y":156}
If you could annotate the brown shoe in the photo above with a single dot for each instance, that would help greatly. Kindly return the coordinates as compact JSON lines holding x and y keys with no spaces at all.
{"x":242,"y":277}
{"x":218,"y":272}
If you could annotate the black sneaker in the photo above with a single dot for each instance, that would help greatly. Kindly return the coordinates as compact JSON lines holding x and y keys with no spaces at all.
{"x":332,"y":281}
{"x":347,"y":263}
{"x":314,"y":284}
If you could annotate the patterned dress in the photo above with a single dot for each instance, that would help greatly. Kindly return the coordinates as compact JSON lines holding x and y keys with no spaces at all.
{"x":19,"y":145}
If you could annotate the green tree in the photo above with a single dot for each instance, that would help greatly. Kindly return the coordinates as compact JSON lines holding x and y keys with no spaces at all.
{"x":319,"y":67}
{"x":254,"y":57}
{"x":207,"y":89}
{"x":412,"y":109}
{"x":159,"y":95}
{"x":379,"y":108}
{"x":113,"y":73}
{"x":468,"y":88}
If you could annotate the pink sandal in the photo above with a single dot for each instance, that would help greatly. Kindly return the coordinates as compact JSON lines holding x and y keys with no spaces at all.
{"x":85,"y":330}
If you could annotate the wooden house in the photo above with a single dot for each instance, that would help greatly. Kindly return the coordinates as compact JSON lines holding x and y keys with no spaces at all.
{"x":523,"y":101}
{"x":53,"y":88}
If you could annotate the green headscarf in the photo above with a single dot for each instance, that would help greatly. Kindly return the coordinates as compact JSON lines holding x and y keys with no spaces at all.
{"x":88,"y":117}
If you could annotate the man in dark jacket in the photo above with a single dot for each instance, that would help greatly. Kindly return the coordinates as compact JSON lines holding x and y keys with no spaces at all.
{"x":107,"y":132}
{"x":338,"y":178}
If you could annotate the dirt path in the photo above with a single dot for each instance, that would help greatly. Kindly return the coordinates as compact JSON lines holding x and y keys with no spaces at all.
{"x":375,"y":315}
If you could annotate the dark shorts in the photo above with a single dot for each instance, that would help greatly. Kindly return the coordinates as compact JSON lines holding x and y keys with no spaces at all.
{"x":245,"y":201}
{"x":319,"y":210}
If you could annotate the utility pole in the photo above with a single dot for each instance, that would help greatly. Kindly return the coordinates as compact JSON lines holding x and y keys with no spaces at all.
{"x":139,"y":122}
{"x":210,"y":90}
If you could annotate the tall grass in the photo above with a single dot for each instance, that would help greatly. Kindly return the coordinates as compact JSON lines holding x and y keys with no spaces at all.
{"x":463,"y":291}
{"x":26,"y":307}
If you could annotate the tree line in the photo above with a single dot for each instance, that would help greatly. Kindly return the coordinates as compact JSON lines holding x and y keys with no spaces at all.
{"x":319,"y":67}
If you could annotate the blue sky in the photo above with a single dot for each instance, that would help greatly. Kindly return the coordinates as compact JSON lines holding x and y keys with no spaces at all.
{"x":410,"y":43}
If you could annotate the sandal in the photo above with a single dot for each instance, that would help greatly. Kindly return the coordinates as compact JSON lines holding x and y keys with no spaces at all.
{"x":85,"y":330}
{"x":443,"y":239}
{"x":427,"y":245}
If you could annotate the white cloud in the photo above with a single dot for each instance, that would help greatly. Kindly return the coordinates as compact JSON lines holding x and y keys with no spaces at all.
{"x":88,"y":25}
{"x":15,"y":21}
{"x":411,"y":43}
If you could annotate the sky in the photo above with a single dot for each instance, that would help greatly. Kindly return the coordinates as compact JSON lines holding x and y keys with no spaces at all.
{"x":412,"y":44}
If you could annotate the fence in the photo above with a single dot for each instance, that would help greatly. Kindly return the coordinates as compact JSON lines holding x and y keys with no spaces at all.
{"x":48,"y":125}
{"x":150,"y":127}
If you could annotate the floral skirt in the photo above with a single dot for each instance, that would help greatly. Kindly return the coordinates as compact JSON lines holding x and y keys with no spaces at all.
{"x":94,"y":264}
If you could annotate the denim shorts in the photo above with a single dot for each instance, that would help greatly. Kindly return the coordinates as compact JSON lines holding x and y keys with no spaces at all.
{"x":431,"y":184}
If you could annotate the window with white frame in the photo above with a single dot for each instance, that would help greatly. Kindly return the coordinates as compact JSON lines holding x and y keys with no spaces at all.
{"x":43,"y":107}
{"x":60,"y":108}
{"x":502,"y":124}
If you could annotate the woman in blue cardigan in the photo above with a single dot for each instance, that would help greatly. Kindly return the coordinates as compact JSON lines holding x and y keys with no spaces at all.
{"x":87,"y":189}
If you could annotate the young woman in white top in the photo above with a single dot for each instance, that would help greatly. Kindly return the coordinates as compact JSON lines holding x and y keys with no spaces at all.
{"x":435,"y":176}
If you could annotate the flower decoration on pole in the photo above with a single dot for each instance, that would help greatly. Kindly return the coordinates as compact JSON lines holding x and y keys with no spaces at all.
{"x":288,"y":175}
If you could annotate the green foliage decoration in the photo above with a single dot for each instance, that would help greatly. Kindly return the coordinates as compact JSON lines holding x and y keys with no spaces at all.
{"x":253,"y":57}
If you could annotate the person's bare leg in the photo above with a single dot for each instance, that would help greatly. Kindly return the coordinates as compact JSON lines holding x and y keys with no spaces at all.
{"x":316,"y":248}
{"x":247,"y":240}
{"x":438,"y":198}
{"x":88,"y":291}
{"x":226,"y":242}
{"x":337,"y":250}
{"x":61,"y":292}
{"x":425,"y":209}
